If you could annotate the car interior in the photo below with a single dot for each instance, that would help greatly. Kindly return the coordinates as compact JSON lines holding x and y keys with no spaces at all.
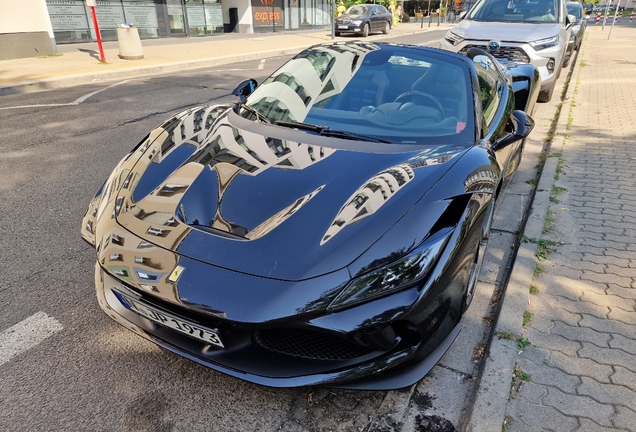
{"x":409,"y":97}
{"x":524,"y":11}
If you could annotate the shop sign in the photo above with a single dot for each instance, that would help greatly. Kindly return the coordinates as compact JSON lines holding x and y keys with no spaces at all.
{"x":267,"y":13}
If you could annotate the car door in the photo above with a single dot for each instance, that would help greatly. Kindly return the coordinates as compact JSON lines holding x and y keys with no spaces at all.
{"x":373,"y":19}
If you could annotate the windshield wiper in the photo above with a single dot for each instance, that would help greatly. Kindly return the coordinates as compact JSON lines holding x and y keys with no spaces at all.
{"x":251,"y":110}
{"x":326,"y":131}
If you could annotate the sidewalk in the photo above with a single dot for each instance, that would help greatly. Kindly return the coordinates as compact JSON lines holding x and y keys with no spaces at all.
{"x":579,"y":371}
{"x":79,"y":63}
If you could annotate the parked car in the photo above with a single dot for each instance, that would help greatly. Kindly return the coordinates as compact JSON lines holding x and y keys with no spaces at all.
{"x":524,"y":32}
{"x":587,"y":8}
{"x":328,"y":228}
{"x":577,"y":28}
{"x":363,"y":19}
{"x":603,"y":8}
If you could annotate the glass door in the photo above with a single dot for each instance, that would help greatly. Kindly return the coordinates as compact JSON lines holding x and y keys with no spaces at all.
{"x":176,"y":17}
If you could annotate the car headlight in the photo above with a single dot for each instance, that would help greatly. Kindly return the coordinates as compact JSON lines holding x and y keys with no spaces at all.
{"x":356,"y":22}
{"x":453,"y":38}
{"x":403,"y":273}
{"x":542,"y":44}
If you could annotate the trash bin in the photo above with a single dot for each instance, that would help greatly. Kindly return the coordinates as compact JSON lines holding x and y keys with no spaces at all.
{"x":129,"y":43}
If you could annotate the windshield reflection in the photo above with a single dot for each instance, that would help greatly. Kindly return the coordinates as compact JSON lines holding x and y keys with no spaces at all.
{"x":384,"y":91}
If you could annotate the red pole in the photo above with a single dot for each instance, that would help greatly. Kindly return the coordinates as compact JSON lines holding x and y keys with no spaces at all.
{"x":99,"y":36}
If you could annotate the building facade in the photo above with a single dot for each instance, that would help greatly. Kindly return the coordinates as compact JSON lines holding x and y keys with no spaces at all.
{"x":34,"y":27}
{"x":72,"y":22}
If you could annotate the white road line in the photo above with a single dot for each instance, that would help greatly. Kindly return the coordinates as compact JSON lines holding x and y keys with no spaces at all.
{"x":26,"y":334}
{"x":75,"y":102}
{"x":261,"y":65}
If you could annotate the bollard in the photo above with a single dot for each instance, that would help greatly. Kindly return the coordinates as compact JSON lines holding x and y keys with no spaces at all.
{"x":598,"y":17}
{"x":631,"y":17}
{"x":129,"y":43}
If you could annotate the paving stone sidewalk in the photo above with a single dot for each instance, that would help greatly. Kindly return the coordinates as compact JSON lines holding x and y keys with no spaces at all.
{"x":581,"y":365}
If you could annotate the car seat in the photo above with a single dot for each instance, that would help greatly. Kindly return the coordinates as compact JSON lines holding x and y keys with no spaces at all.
{"x":366,"y":88}
{"x":443,"y":82}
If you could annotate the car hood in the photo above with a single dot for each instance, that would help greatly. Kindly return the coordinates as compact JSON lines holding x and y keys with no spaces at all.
{"x":267,"y":204}
{"x":505,"y":31}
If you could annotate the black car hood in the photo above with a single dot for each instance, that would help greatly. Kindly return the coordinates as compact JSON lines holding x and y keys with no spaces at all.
{"x":262,"y":204}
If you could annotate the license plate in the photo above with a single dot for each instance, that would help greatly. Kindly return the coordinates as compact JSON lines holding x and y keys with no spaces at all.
{"x":170,"y":321}
{"x":343,"y":27}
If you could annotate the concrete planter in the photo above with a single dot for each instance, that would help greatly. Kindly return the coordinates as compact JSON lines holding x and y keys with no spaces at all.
{"x":129,"y":44}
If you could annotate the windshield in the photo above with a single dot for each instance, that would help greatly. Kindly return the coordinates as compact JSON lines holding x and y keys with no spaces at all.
{"x":575,"y":10}
{"x":546,"y":11}
{"x":396,"y":94}
{"x":357,"y":10}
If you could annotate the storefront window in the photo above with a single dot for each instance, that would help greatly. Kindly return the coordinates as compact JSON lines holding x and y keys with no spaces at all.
{"x":267,"y":15}
{"x":303,"y":13}
{"x":109,"y":14}
{"x":143,"y":15}
{"x":72,"y":20}
{"x":69,"y":20}
{"x":176,"y":17}
{"x":204,"y":17}
{"x":213,"y":16}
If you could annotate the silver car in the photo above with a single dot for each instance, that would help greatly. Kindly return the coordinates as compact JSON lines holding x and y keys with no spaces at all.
{"x":520,"y":31}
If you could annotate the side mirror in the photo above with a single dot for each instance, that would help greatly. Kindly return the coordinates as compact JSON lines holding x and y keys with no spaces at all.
{"x":244,"y":89}
{"x":571,"y":19}
{"x":521,"y":125}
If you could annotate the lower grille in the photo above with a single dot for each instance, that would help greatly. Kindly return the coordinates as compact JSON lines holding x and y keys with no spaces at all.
{"x":308,"y":344}
{"x":514,"y":54}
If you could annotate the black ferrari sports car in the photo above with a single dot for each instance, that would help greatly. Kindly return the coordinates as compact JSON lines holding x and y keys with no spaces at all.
{"x":326,"y":229}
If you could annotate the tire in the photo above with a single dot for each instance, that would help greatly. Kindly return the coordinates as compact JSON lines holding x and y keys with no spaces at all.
{"x":566,"y":61}
{"x":365,"y":30}
{"x":387,"y":27}
{"x":478,"y":258}
{"x":337,"y":33}
{"x":546,"y":95}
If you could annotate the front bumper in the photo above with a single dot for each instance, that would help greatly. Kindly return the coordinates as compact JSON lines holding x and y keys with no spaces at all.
{"x":409,"y":359}
{"x":520,"y":53}
{"x":349,"y":28}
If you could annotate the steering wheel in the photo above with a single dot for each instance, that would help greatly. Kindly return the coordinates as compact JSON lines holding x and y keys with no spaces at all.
{"x":436,"y":103}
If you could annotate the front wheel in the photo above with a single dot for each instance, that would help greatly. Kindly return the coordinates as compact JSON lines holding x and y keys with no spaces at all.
{"x":365,"y":30}
{"x":478,"y":258}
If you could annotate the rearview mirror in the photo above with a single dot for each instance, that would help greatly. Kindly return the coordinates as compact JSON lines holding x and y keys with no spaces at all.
{"x":244,"y":89}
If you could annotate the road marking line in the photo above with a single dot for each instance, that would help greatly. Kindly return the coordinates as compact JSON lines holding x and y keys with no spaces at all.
{"x":26,"y":334}
{"x":75,"y":102}
{"x":261,"y":65}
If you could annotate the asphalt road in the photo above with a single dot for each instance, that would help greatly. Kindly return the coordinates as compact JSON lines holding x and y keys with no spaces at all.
{"x":83,"y":371}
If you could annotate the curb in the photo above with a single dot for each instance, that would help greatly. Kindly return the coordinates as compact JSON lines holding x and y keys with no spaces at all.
{"x":488,"y":410}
